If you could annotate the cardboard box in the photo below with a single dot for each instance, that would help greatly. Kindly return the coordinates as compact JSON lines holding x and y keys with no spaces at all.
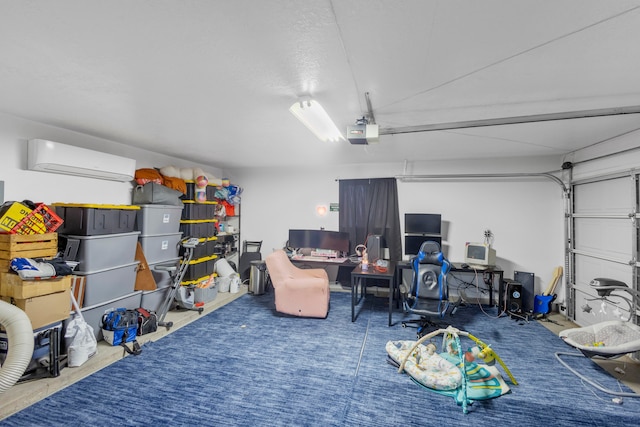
{"x":46,"y":309}
{"x":11,"y":285}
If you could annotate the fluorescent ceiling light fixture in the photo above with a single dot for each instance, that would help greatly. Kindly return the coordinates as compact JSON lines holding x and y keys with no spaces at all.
{"x":313,"y":116}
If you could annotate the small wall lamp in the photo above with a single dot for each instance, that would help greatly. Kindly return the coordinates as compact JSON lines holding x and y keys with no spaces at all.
{"x":321,"y":210}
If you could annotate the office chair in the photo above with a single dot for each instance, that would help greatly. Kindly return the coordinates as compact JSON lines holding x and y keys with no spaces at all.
{"x":429,"y":293}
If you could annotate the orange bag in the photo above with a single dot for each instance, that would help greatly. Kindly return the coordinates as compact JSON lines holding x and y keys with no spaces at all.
{"x":229,"y":208}
{"x":146,"y":175}
{"x":175,"y":183}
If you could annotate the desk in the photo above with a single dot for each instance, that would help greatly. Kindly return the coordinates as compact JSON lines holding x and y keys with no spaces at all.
{"x":315,"y":262}
{"x":343,"y":268}
{"x":359,"y":278}
{"x":492,"y":272}
{"x":457,"y":268}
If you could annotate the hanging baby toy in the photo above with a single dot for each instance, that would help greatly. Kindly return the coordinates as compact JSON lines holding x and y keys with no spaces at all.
{"x":467,"y":376}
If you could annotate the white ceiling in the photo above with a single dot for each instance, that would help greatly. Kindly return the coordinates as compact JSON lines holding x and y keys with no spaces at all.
{"x":212,"y":81}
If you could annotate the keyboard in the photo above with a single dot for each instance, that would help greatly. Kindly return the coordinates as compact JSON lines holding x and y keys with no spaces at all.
{"x":478,"y":267}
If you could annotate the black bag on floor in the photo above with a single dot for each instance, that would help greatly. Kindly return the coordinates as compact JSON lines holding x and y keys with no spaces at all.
{"x":147,"y":321}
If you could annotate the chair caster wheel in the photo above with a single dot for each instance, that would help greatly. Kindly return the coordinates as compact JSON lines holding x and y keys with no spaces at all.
{"x":404,"y":325}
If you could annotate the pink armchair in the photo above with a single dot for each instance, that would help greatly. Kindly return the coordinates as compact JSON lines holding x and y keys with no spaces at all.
{"x":299,"y":292}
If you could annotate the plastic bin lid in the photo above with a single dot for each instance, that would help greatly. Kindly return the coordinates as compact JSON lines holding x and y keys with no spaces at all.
{"x":198,"y":280}
{"x":203,"y":259}
{"x":207,"y":239}
{"x":88,"y":273}
{"x":200,"y":203}
{"x":95,"y":206}
{"x":158,"y":206}
{"x":102,"y":236}
{"x":193,"y":181}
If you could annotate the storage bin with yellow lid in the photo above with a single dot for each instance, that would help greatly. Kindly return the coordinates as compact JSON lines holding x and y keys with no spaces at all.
{"x":96,"y":219}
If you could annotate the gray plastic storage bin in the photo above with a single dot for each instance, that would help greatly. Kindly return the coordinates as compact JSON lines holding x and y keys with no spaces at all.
{"x":93,"y":314}
{"x":193,"y":210}
{"x":198,"y":228}
{"x":92,"y":220}
{"x":102,"y":251}
{"x":158,"y":219}
{"x":205,"y":294}
{"x":204,"y":249}
{"x":199,"y":268}
{"x":161,"y":247}
{"x":152,"y":300}
{"x":107,"y":284}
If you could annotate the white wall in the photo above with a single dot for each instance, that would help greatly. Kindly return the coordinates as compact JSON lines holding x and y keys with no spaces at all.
{"x":526,"y":216}
{"x":20,"y":183}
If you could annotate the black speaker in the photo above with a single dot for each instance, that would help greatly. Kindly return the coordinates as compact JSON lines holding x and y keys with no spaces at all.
{"x":527,"y":281}
{"x":514,"y":297}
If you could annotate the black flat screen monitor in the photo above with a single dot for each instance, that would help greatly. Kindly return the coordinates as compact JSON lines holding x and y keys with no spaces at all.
{"x":418,"y":223}
{"x":412,"y":243}
{"x":319,"y":239}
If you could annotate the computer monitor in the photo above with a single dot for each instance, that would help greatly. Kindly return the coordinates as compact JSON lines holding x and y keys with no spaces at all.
{"x":481,"y":254}
{"x":412,"y":243}
{"x":422,"y":223}
{"x":319,"y":239}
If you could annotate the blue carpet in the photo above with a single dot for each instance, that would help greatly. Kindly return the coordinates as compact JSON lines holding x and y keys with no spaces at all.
{"x":245,"y":365}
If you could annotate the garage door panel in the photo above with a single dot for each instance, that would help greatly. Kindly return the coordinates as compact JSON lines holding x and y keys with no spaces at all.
{"x":588,"y":268}
{"x":604,"y":244}
{"x":612,"y":238}
{"x":609,"y":197}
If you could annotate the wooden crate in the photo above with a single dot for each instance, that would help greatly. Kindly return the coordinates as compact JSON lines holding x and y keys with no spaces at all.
{"x":11,"y":285}
{"x":26,"y":246}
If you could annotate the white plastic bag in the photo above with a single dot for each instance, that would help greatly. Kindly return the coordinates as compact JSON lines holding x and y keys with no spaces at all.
{"x":83,"y":341}
{"x":234,"y":286}
{"x":223,"y":284}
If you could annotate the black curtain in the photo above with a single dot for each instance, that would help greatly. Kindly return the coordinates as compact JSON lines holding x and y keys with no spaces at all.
{"x":370,"y":206}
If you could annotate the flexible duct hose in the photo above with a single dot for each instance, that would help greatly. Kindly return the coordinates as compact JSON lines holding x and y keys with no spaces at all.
{"x":20,"y":348}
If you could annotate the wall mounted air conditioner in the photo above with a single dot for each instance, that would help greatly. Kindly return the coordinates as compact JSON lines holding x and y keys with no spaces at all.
{"x":49,"y":156}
